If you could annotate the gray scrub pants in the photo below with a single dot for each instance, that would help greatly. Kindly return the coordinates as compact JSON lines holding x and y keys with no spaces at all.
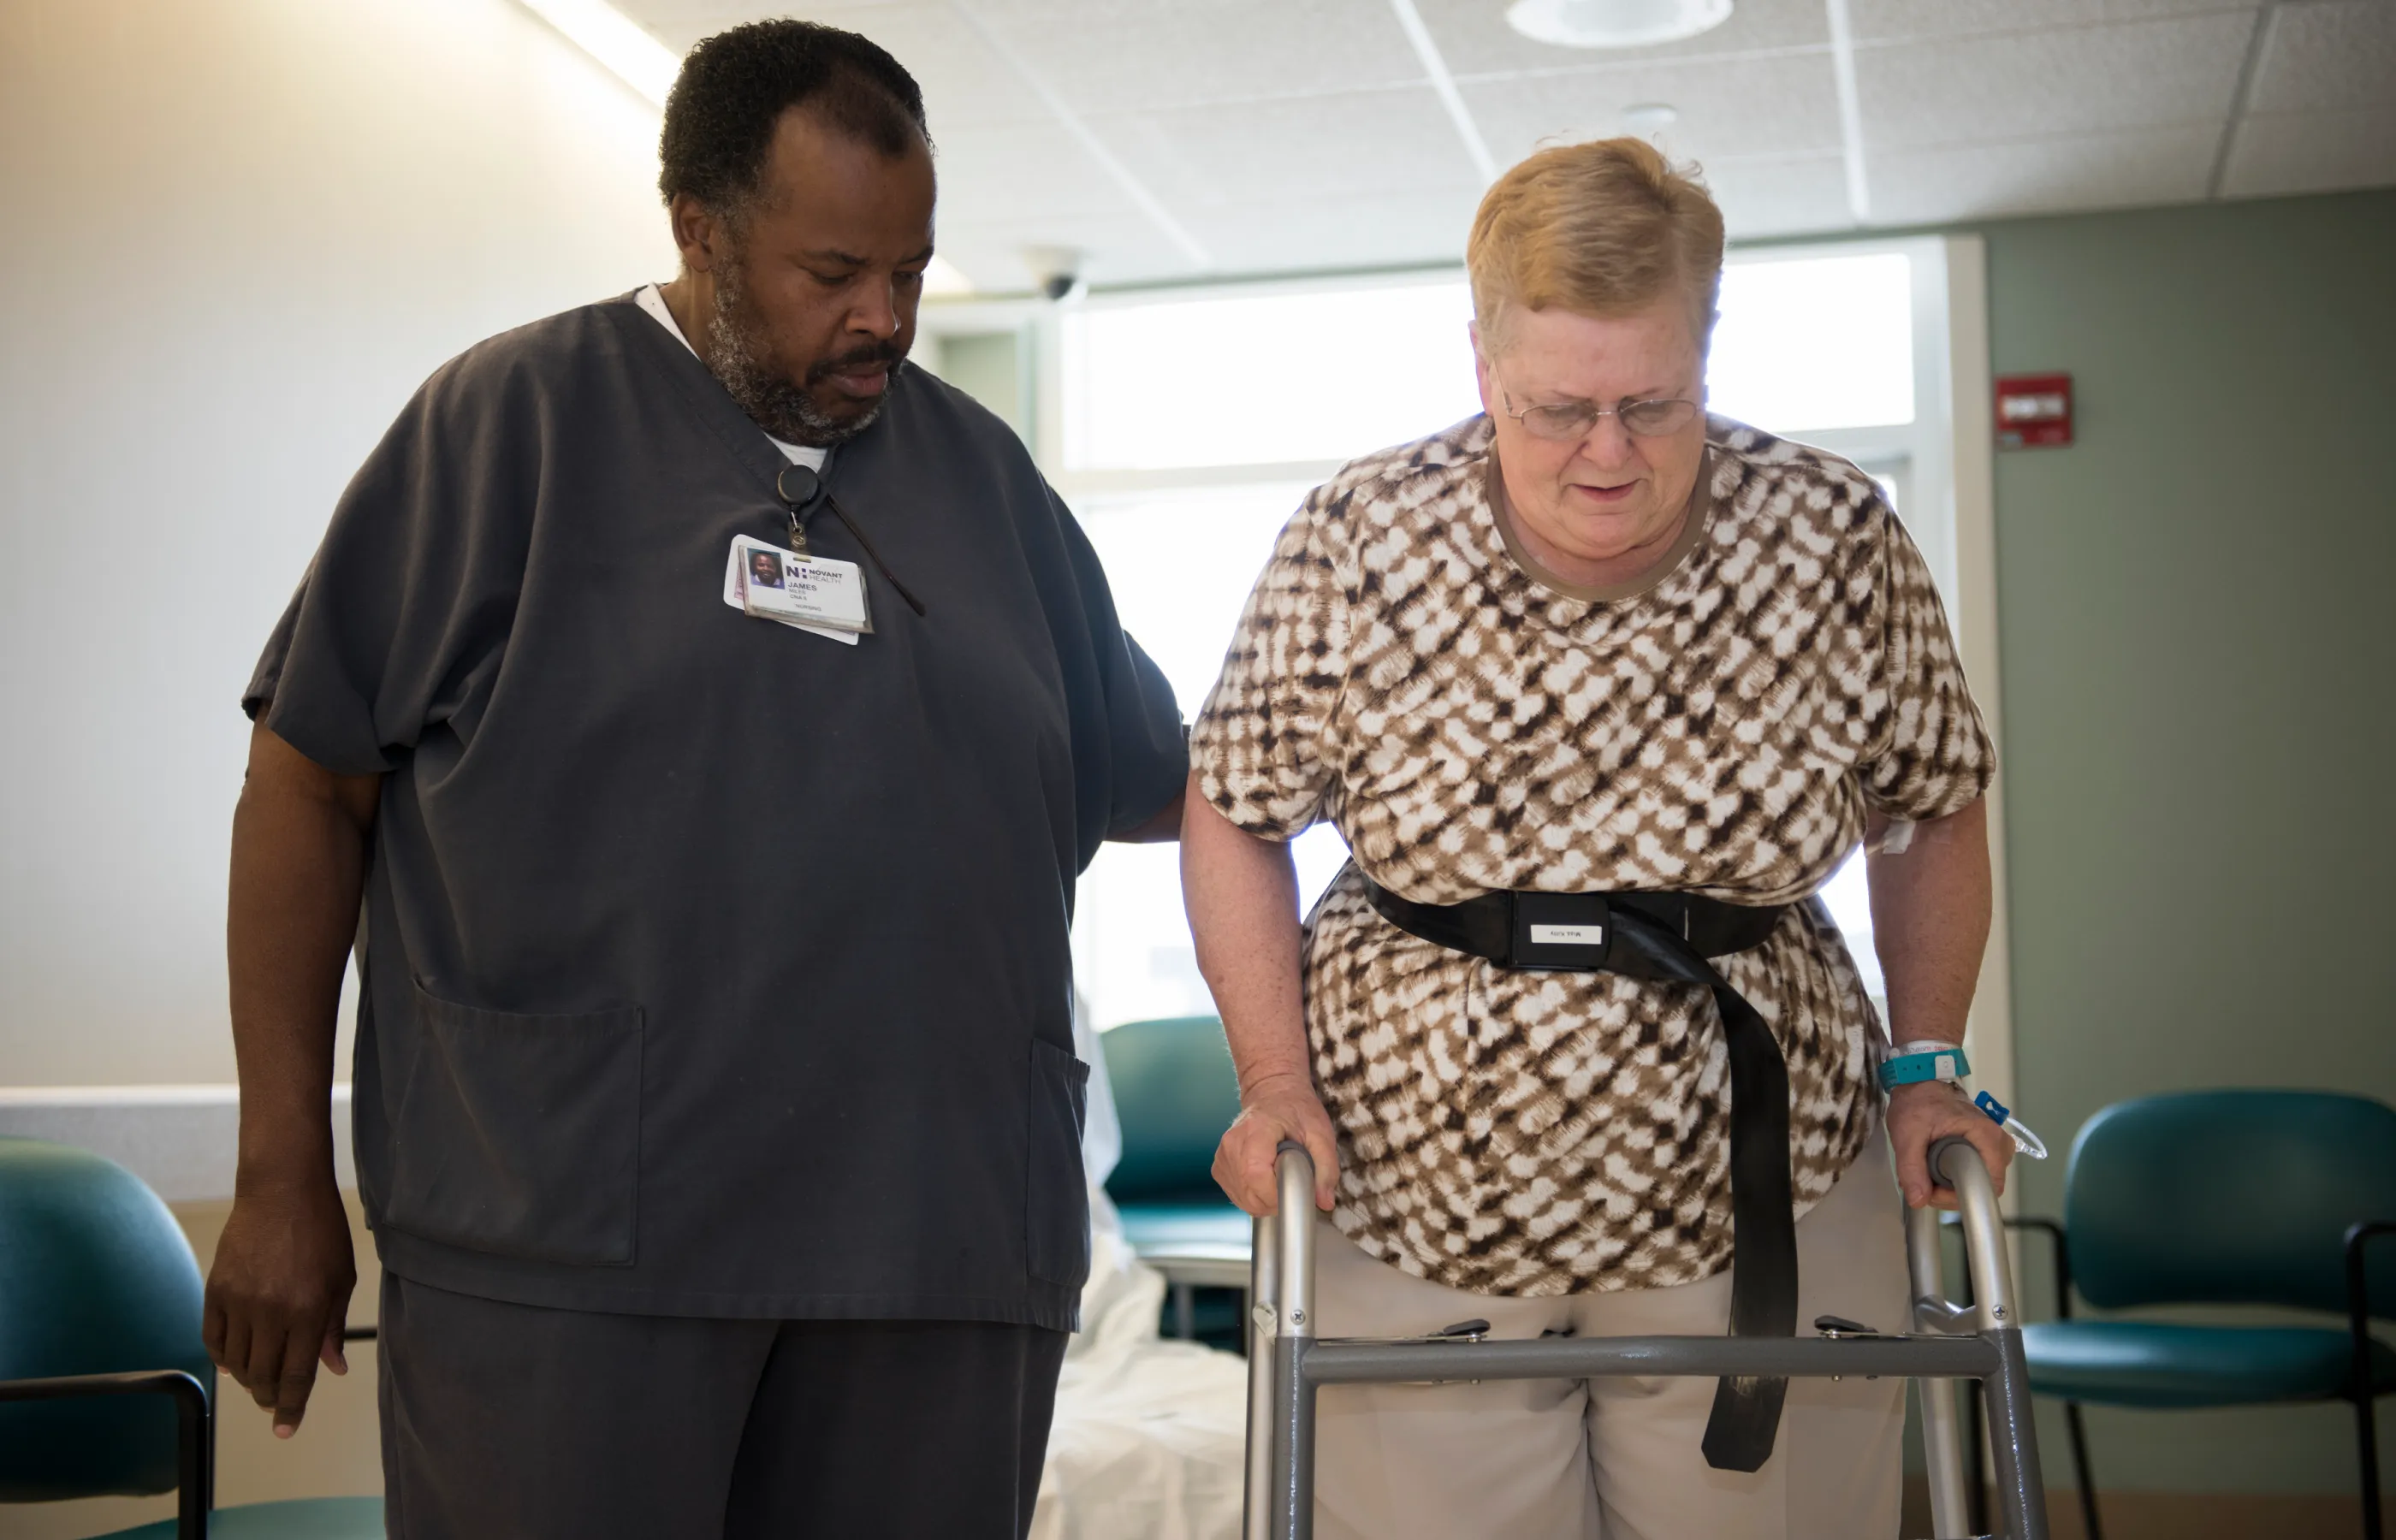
{"x":512,"y":1422}
{"x":1616,"y":1458}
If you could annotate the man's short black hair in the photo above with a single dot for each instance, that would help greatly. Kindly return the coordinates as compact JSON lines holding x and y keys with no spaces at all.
{"x":735,"y":86}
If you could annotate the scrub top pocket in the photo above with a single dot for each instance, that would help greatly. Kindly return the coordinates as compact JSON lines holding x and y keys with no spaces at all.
{"x":520,"y":1134}
{"x":1056,"y":1200}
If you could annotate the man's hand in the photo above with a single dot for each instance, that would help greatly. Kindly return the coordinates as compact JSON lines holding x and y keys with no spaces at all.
{"x":279,"y":1294}
{"x":1277,"y":1107}
{"x":1921,"y":1114}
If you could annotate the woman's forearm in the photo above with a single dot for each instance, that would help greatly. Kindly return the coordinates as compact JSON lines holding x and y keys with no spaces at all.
{"x":1930,"y":912}
{"x":1242,"y":895}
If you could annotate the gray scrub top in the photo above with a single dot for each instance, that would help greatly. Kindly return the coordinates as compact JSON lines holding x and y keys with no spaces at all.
{"x":713,"y":967}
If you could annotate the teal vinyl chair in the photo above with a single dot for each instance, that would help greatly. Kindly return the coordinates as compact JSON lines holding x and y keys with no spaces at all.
{"x":2224,"y":1198}
{"x":1174,"y":1095}
{"x":104,"y":1387}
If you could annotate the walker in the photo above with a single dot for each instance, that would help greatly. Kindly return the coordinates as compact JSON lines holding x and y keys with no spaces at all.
{"x":1981,"y":1341}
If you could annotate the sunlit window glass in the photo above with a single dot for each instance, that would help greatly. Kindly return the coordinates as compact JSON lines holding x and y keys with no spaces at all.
{"x":1264,"y":379}
{"x":1813,"y":343}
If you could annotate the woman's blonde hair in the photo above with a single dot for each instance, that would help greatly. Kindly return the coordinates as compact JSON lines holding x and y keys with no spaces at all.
{"x":1599,"y":229}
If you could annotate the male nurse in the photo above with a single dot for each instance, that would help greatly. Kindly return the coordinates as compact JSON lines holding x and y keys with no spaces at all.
{"x":715,"y":1103}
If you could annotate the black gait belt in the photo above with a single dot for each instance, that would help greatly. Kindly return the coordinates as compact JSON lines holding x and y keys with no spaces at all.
{"x":1668,"y":937}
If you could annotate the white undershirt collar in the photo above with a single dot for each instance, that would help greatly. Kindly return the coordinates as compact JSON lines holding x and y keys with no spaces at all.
{"x":653,"y":300}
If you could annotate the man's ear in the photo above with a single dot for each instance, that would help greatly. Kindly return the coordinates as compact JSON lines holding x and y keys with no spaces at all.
{"x":697,"y":233}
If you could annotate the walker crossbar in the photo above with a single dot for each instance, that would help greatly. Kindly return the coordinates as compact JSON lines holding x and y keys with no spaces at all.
{"x":1287,"y":1364}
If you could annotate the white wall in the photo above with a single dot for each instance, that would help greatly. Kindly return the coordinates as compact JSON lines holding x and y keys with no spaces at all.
{"x":239,"y":233}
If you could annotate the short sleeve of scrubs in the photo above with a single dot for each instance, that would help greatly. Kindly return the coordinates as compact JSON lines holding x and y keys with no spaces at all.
{"x":407,"y":605}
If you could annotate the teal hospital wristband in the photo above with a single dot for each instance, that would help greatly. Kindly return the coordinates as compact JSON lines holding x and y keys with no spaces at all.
{"x":1947,"y":1064}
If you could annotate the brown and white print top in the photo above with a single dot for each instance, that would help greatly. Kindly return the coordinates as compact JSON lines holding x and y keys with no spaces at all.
{"x":1470,"y":725}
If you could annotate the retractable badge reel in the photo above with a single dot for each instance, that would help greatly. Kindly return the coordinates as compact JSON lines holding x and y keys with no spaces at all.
{"x":800,"y":489}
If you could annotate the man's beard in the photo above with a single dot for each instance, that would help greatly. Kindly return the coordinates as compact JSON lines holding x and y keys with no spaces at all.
{"x":736,"y":355}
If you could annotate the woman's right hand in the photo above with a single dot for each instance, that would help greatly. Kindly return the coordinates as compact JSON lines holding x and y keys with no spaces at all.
{"x":1274,"y":1108}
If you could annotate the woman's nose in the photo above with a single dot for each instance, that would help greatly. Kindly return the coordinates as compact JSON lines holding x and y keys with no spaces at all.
{"x":1607,"y":443}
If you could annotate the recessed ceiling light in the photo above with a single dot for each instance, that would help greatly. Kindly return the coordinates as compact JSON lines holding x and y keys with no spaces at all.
{"x":1650,"y":118}
{"x":1615,"y":23}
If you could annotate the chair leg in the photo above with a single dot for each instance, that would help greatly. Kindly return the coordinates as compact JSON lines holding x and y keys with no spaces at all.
{"x":2080,"y":1471}
{"x":2367,"y":1434}
{"x":1185,"y":1311}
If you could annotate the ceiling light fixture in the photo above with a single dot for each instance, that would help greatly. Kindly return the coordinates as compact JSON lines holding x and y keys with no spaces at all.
{"x":1615,"y":23}
{"x":615,"y":40}
{"x":1649,"y":118}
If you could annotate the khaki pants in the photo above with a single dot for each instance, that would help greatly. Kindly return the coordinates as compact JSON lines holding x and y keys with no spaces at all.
{"x":1615,"y":1458}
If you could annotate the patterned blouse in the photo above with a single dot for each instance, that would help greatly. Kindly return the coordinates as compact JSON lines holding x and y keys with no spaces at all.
{"x":1720,"y":726}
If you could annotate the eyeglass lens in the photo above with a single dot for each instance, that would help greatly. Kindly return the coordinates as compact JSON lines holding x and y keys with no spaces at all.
{"x":1644,"y":419}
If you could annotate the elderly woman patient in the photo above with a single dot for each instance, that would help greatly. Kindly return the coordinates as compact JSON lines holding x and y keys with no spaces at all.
{"x":1601,"y":690}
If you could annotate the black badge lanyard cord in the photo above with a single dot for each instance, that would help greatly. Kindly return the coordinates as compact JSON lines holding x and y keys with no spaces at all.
{"x":802,"y":491}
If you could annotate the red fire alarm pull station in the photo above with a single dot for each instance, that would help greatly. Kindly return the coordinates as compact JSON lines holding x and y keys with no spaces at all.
{"x":2033,"y":411}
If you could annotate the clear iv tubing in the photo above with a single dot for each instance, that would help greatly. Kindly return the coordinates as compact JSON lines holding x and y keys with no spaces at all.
{"x":1998,"y":1113}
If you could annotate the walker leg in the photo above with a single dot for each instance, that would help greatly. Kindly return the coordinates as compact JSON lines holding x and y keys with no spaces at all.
{"x":1292,"y":1444}
{"x":2013,"y":1441}
{"x":1942,"y":1436}
{"x":1293,"y":1441}
{"x":1264,"y":1304}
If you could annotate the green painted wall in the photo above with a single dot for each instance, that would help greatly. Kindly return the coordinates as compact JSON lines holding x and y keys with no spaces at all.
{"x":989,"y":366}
{"x":2199,"y":620}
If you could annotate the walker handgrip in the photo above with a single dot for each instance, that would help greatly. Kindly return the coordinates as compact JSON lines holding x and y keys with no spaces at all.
{"x":1294,"y":1222}
{"x":1941,"y":1149}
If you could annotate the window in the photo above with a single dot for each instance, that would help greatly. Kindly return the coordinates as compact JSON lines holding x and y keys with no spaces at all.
{"x":1264,"y":378}
{"x":1185,"y":428}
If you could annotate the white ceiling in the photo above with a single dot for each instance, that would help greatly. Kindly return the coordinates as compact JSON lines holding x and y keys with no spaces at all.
{"x":1176,"y":139}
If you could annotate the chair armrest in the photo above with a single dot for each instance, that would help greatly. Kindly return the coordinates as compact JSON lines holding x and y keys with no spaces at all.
{"x":2358,"y":1297}
{"x":2062,"y":1256}
{"x":195,"y":1432}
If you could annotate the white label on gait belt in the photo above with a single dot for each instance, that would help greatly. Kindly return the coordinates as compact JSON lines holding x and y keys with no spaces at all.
{"x":1568,"y":935}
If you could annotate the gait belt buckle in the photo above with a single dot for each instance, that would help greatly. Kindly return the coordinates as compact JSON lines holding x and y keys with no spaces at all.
{"x":1560,"y":931}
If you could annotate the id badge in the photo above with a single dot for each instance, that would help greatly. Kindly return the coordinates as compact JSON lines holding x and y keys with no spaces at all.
{"x":813,"y":593}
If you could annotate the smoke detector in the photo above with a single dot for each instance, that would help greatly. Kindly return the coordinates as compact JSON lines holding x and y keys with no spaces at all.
{"x":1615,"y":23}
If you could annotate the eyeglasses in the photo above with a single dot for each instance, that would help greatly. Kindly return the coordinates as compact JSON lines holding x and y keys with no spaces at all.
{"x":1572,"y":419}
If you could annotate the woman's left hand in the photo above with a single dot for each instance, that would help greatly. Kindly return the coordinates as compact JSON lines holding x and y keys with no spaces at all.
{"x":1921,"y":1114}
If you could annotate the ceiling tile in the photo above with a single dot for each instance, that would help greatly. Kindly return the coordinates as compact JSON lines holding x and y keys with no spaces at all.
{"x":1772,"y":106}
{"x":1391,"y":230}
{"x":1365,"y":144}
{"x":2151,"y":166}
{"x":2041,"y":85}
{"x":2312,"y":153}
{"x":1474,"y":39}
{"x":1022,"y":170}
{"x":965,"y":84}
{"x":1790,"y":195}
{"x":1881,"y":20}
{"x":680,"y":23}
{"x":1116,"y":56}
{"x":2318,"y":56}
{"x":1117,"y":249}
